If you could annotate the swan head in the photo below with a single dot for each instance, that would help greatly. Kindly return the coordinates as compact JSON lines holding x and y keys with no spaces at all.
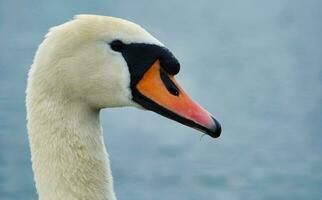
{"x":110,"y":62}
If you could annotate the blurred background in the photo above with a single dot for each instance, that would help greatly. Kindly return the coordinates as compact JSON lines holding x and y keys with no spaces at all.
{"x":256,"y":65}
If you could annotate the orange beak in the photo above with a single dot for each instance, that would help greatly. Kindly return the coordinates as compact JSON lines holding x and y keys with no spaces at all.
{"x":158,"y":91}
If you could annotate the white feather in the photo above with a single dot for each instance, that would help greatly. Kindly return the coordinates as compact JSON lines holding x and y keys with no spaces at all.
{"x":74,"y":75}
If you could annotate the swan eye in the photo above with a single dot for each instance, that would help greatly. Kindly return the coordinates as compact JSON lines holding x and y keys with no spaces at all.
{"x":117,"y":45}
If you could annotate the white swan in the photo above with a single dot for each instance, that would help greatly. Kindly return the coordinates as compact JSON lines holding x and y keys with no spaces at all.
{"x":84,"y":65}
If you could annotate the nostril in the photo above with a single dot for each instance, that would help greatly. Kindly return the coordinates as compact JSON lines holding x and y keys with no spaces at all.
{"x":171,"y":87}
{"x":173,"y":91}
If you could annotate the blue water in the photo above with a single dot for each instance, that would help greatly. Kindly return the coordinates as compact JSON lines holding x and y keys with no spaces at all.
{"x":256,"y":65}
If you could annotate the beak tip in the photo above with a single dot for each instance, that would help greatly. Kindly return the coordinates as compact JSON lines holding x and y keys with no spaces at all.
{"x":215,"y":130}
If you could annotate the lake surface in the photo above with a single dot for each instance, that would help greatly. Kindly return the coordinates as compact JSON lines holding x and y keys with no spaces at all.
{"x":256,"y":65}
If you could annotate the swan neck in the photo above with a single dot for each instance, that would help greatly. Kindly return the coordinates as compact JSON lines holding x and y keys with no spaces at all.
{"x":69,"y":158}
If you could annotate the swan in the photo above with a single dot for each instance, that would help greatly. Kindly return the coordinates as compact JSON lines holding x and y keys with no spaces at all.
{"x":84,"y":65}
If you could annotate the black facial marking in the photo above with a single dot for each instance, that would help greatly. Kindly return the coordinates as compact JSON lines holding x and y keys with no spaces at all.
{"x":117,"y":45}
{"x":171,"y":87}
{"x":141,"y":56}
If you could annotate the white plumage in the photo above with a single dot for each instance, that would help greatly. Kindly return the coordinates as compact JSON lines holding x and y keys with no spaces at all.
{"x":74,"y":75}
{"x":84,"y":65}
